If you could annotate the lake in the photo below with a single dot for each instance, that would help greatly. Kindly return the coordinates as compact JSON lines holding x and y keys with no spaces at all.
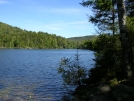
{"x":31,"y":74}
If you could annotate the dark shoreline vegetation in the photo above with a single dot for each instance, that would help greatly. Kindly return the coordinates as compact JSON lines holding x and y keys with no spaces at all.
{"x":105,"y":80}
{"x":112,"y":76}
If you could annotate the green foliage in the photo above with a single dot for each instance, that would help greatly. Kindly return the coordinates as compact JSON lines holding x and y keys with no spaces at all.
{"x":105,"y":14}
{"x":107,"y":59}
{"x":14,"y":37}
{"x":130,"y":29}
{"x":83,"y":38}
{"x":130,"y":8}
{"x":88,"y":45}
{"x":72,"y":71}
{"x":113,"y":53}
{"x":113,"y":82}
{"x":108,"y":48}
{"x":84,"y":42}
{"x":108,"y":55}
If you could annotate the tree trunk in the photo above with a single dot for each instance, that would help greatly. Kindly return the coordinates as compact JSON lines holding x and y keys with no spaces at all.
{"x":126,"y":49}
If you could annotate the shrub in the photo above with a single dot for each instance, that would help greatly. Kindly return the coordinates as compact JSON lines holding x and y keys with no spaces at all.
{"x":71,"y":70}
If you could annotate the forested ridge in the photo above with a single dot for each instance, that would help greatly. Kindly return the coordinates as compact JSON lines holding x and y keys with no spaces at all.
{"x":83,"y":38}
{"x":14,"y":37}
{"x":84,"y":42}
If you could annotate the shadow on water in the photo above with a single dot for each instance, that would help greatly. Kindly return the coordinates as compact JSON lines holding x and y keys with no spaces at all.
{"x":48,"y":92}
{"x":52,"y":93}
{"x":67,"y":97}
{"x":68,"y":94}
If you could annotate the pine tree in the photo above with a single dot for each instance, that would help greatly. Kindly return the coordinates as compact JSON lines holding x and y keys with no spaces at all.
{"x":106,"y":11}
{"x":105,"y":14}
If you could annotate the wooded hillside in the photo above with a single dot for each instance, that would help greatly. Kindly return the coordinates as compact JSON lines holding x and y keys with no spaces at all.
{"x":82,"y":38}
{"x":14,"y":37}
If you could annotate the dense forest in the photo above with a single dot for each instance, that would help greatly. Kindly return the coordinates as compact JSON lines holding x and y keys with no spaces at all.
{"x":83,"y":38}
{"x":84,"y":42}
{"x":111,"y":78}
{"x":14,"y":37}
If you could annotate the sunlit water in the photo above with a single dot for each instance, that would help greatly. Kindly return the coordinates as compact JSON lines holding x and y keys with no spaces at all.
{"x":31,"y":75}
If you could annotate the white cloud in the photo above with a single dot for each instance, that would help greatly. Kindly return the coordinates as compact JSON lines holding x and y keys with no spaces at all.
{"x":66,"y":10}
{"x":3,"y":2}
{"x":77,"y":22}
{"x":57,"y":25}
{"x":54,"y":28}
{"x":60,"y":10}
{"x":61,"y":26}
{"x":73,"y":23}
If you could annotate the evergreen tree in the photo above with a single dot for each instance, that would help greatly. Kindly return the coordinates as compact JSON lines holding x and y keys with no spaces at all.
{"x":102,"y":17}
{"x":105,"y":14}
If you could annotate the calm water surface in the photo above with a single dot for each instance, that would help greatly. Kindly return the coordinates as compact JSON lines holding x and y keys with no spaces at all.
{"x":31,"y":75}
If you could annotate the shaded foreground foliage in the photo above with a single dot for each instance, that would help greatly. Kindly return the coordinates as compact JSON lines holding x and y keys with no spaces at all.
{"x":112,"y":77}
{"x":107,"y":58}
{"x":106,"y":79}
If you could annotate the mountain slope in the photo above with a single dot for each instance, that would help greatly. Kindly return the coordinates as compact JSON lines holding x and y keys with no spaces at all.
{"x":82,"y":38}
{"x":14,"y":37}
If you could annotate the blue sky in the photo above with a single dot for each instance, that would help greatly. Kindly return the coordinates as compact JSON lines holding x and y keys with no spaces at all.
{"x":66,"y":18}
